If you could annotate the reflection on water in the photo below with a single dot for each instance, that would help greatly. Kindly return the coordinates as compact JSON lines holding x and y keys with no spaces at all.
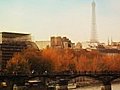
{"x":89,"y":88}
{"x":114,"y":87}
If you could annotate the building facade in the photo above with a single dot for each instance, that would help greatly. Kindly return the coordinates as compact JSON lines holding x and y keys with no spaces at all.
{"x":61,"y":42}
{"x":11,"y":43}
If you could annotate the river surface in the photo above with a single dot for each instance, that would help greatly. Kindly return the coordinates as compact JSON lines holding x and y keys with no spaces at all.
{"x":114,"y":87}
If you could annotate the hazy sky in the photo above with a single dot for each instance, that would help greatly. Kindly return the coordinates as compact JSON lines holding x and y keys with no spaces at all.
{"x":71,"y":18}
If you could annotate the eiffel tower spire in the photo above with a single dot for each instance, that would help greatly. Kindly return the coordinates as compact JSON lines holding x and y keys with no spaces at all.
{"x":93,"y":26}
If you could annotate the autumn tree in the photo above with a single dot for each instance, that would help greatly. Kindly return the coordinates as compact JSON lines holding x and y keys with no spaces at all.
{"x":18,"y":64}
{"x":60,"y":60}
{"x":29,"y":61}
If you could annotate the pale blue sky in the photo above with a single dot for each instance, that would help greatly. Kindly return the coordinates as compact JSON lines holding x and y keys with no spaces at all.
{"x":71,"y":18}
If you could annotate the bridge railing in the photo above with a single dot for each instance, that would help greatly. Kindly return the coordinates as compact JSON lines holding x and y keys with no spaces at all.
{"x":63,"y":73}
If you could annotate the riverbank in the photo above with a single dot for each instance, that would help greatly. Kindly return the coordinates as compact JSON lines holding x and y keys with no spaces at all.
{"x":92,"y":84}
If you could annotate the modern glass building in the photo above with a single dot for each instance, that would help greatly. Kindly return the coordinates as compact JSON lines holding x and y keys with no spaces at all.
{"x":11,"y":43}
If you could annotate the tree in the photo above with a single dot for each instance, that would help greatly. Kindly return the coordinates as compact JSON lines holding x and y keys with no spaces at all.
{"x":28,"y":61}
{"x":18,"y":65}
{"x":60,"y":60}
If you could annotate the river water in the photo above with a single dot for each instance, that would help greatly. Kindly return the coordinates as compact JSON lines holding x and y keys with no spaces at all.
{"x":114,"y":87}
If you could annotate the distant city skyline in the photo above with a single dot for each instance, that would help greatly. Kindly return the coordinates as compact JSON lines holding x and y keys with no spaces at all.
{"x":70,"y":18}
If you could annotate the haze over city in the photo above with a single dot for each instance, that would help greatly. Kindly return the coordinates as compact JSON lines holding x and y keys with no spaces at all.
{"x":71,"y":18}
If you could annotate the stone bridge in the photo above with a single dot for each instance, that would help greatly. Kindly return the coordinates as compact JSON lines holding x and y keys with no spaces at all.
{"x":105,"y":77}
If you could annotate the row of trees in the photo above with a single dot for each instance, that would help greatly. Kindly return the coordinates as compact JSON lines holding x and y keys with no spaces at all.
{"x":58,"y":60}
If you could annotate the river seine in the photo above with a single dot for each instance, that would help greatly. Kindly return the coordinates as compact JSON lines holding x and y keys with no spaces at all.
{"x":114,"y":87}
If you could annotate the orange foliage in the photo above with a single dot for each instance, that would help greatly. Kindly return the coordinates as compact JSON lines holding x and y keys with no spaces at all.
{"x":69,"y":60}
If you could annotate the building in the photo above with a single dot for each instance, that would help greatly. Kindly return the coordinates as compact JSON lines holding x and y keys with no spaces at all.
{"x":11,"y":43}
{"x":43,"y":44}
{"x":78,"y":46}
{"x":89,"y":46}
{"x":93,"y":25}
{"x":115,"y":45}
{"x":61,"y":42}
{"x":93,"y":43}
